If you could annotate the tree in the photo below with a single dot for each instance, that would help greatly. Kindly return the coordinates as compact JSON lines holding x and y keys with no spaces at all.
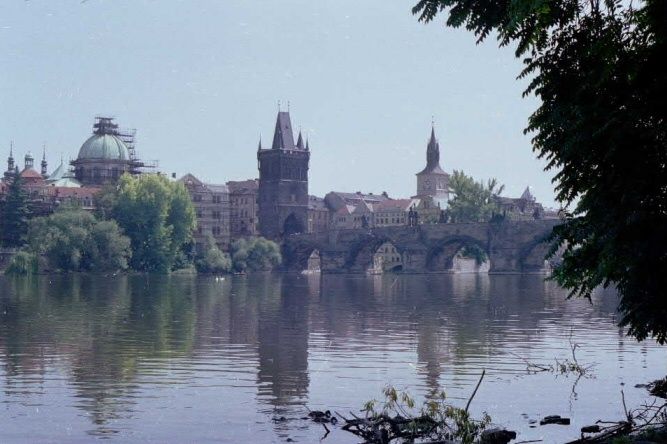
{"x":105,"y":201}
{"x":157,"y":215}
{"x":596,"y":66}
{"x":213,"y":260}
{"x":255,"y":254}
{"x":15,"y":214}
{"x":74,"y":240}
{"x":473,"y":201}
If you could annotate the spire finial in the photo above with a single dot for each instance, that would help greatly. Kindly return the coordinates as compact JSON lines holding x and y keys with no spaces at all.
{"x":288,"y":106}
{"x":44,"y":151}
{"x":278,"y":105}
{"x":259,"y":147}
{"x":11,"y":148}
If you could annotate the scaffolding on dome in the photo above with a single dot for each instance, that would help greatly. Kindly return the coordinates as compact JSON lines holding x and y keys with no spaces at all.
{"x":106,"y":125}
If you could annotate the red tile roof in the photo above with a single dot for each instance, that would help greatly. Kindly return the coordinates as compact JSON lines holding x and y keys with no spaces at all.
{"x":29,"y":173}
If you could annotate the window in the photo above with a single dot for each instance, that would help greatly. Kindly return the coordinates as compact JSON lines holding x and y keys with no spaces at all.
{"x":216,"y":231}
{"x":197,"y":198}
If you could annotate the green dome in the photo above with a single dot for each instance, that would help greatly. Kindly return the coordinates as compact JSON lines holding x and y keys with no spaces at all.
{"x":104,"y":146}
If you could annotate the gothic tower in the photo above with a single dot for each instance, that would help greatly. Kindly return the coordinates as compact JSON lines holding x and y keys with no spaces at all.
{"x":283,"y":182}
{"x":432,"y":181}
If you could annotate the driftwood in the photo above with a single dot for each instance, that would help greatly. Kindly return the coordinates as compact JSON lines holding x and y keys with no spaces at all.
{"x":649,"y":416}
{"x":436,"y":422}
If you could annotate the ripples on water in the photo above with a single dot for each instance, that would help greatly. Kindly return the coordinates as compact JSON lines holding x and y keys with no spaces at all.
{"x":191,"y":359}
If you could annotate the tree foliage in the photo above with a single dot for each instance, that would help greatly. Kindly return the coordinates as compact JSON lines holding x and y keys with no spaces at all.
{"x":255,"y":254}
{"x":15,"y":213}
{"x":213,"y":260}
{"x":596,"y":66}
{"x":23,"y":263}
{"x":473,"y":201}
{"x":72,"y":239}
{"x":157,"y":215}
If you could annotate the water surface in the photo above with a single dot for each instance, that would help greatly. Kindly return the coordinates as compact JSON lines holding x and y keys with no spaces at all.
{"x":196,"y":359}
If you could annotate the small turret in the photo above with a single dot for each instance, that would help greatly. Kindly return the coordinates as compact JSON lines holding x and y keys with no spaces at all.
{"x":29,"y":161}
{"x":299,"y":142}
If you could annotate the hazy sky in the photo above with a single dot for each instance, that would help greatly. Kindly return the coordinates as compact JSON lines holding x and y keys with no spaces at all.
{"x":200,"y":81}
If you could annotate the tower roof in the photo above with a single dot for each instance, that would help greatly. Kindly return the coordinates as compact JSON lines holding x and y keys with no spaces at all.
{"x":433,"y":156}
{"x":59,"y":172}
{"x":527,"y":194}
{"x":283,"y":138}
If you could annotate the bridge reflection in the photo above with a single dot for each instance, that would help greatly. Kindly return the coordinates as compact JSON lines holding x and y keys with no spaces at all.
{"x":112,"y":336}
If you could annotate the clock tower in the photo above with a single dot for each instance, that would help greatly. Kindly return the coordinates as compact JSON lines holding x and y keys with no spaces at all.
{"x":432,"y":181}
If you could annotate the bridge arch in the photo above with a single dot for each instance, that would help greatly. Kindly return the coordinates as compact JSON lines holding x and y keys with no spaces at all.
{"x":376,"y":255}
{"x":533,"y":257}
{"x":445,"y":253}
{"x":303,"y":255}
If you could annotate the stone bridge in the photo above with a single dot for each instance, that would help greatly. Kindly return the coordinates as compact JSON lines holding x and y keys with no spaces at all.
{"x":510,"y":247}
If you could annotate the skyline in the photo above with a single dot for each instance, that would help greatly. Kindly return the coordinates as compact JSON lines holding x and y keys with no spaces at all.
{"x":201,"y":83}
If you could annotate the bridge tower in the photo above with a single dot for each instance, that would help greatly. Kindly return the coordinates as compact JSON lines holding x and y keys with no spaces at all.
{"x":283,"y":182}
{"x":432,"y":181}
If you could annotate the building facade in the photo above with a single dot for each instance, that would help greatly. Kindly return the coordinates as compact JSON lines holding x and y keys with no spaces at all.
{"x":212,"y":208}
{"x":283,"y":182}
{"x":243,"y":208}
{"x":524,"y":207}
{"x":318,"y":215}
{"x":393,"y":212}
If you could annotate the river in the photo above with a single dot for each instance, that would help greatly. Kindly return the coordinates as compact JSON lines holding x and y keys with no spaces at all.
{"x":200,"y":359}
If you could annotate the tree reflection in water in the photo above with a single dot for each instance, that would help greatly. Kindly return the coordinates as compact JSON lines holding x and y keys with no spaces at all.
{"x":117,"y":341}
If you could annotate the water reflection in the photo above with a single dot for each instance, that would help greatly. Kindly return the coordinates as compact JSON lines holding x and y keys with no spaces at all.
{"x":247,"y":349}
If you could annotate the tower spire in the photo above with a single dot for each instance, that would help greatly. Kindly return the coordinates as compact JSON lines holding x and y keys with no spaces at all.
{"x":10,"y":159}
{"x":283,"y":138}
{"x":44,"y":164}
{"x":433,"y":154}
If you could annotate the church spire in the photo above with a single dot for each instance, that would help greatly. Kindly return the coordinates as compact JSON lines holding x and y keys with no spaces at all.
{"x":433,"y":151}
{"x":259,"y":146}
{"x":44,"y":164}
{"x":433,"y":154}
{"x":10,"y":159}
